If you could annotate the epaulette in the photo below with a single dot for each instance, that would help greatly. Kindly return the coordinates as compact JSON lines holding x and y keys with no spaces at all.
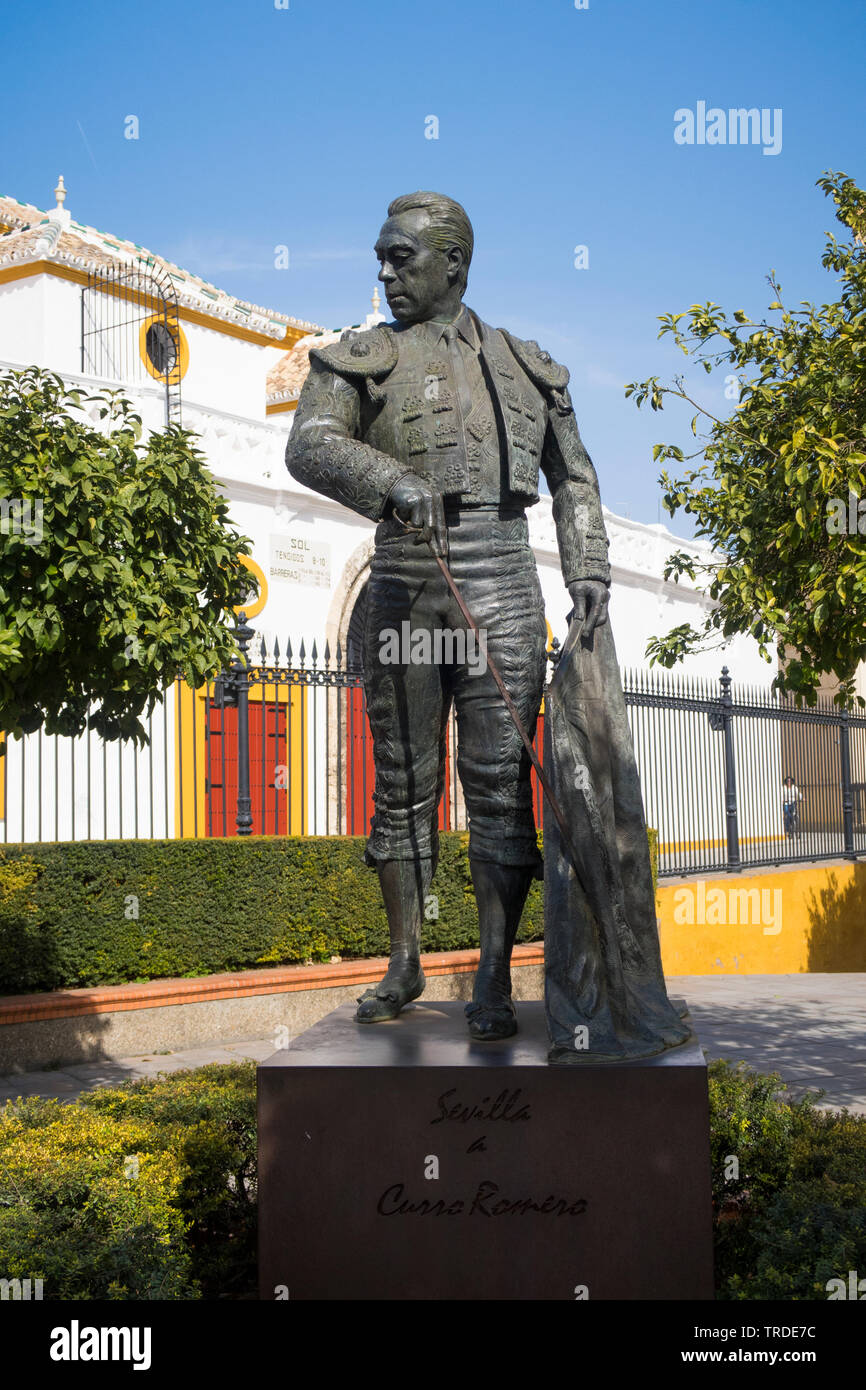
{"x":539,"y":365}
{"x":370,"y":353}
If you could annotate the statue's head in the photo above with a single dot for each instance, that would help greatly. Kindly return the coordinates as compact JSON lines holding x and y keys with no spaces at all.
{"x":424,"y":250}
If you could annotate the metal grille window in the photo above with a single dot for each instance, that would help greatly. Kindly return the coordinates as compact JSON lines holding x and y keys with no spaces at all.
{"x":130,"y":330}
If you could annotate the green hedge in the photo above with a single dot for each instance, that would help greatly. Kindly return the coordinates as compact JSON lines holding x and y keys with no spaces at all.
{"x":148,"y":1190}
{"x":68,"y":911}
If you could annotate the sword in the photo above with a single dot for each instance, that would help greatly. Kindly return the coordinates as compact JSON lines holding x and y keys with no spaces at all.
{"x":555,"y":807}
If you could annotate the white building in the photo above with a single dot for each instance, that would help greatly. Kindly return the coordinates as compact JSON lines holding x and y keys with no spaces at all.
{"x":234,"y":372}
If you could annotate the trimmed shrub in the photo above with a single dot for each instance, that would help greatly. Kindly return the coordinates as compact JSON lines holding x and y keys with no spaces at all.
{"x":107,"y":912}
{"x":103,"y":912}
{"x":143,"y":1192}
{"x":653,"y":837}
{"x":71,"y":1216}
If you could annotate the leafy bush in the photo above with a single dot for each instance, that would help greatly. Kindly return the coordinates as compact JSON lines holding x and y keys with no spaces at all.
{"x":795,"y":1215}
{"x":73,"y":1213}
{"x":119,"y":564}
{"x":142,"y":1192}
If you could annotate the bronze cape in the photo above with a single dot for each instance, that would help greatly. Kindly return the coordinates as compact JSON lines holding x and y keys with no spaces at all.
{"x":605,"y":992}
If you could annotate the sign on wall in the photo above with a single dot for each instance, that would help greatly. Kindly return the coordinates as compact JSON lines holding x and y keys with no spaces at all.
{"x":296,"y":559}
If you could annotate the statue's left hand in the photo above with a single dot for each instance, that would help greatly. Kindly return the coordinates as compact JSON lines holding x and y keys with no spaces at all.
{"x":590,"y":598}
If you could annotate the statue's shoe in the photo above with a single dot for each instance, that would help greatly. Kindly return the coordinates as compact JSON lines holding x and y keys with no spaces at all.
{"x":388,"y":998}
{"x":490,"y":1021}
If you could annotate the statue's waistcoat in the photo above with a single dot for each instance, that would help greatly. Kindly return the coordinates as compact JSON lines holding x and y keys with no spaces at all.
{"x":411,"y":412}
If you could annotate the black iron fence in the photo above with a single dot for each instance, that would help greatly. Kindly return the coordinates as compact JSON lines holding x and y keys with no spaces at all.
{"x":714,"y":760}
{"x":280,"y":745}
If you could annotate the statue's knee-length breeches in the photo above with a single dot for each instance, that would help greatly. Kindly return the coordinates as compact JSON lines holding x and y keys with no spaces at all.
{"x":419,"y":657}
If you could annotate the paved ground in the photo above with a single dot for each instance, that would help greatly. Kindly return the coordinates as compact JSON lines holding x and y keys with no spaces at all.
{"x":809,"y":1028}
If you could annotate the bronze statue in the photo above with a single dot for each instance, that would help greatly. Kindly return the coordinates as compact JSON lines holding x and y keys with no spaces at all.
{"x":435,"y":426}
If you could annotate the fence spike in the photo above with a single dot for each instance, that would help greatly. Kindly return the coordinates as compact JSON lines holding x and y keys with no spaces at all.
{"x":276,"y":650}
{"x":339,"y":655}
{"x":302,"y":653}
{"x":327,"y":655}
{"x":314,"y":654}
{"x":289,"y":651}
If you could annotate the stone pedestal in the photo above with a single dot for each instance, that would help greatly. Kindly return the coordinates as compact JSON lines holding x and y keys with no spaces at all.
{"x":403,"y":1160}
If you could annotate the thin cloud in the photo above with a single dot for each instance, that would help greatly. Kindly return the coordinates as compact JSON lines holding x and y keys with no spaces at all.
{"x":87,"y":146}
{"x":220,"y":255}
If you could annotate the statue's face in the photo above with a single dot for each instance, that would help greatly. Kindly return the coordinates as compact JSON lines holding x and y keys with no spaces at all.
{"x":419,"y":280}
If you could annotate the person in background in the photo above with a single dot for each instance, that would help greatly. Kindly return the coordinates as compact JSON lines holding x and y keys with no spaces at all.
{"x":790,"y":796}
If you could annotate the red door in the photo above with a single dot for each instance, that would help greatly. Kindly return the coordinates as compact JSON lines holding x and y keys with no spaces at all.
{"x":268,"y":765}
{"x":537,"y":793}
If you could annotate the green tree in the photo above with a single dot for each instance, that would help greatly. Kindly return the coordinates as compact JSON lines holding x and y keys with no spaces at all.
{"x":118,"y":567}
{"x":782,"y":476}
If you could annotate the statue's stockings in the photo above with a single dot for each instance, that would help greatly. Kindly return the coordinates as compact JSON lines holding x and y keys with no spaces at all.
{"x":500,"y":892}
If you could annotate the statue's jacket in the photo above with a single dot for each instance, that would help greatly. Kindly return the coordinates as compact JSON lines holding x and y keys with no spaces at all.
{"x":383,"y":403}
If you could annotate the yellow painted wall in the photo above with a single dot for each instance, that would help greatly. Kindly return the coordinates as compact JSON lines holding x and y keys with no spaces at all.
{"x":190,"y":763}
{"x":808,"y":918}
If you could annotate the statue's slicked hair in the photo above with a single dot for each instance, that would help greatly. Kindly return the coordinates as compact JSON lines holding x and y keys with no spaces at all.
{"x":448,"y":226}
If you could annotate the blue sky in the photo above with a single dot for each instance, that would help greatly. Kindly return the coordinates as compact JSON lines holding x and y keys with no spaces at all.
{"x":262,"y":127}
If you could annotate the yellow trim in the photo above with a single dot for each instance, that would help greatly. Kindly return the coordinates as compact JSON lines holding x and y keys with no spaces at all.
{"x":190,"y":775}
{"x":282,"y":408}
{"x":254,"y":609}
{"x":180,"y":343}
{"x":547,"y":649}
{"x":232,"y":330}
{"x":678,"y":846}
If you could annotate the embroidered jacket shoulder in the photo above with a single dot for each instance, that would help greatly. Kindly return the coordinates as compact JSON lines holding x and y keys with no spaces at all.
{"x":371,"y":352}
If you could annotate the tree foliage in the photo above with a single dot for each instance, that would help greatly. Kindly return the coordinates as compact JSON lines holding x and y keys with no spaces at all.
{"x":118,"y":566}
{"x":780,"y":471}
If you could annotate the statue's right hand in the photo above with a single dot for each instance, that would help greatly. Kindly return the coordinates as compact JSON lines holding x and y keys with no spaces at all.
{"x":418,"y":504}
